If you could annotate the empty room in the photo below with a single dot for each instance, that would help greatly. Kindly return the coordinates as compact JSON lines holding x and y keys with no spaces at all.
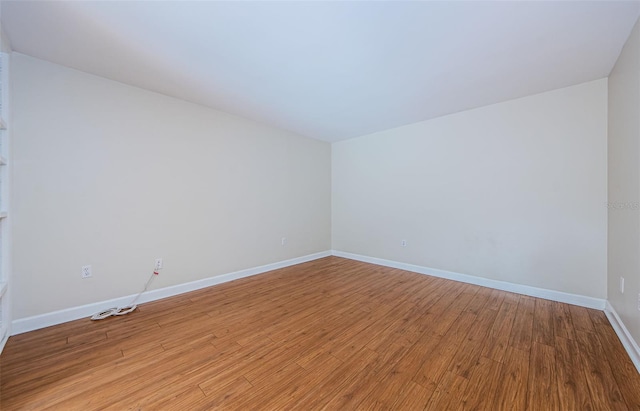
{"x":305,"y":205}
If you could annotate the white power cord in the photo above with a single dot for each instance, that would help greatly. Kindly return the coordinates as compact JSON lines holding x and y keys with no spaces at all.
{"x":127,"y":308}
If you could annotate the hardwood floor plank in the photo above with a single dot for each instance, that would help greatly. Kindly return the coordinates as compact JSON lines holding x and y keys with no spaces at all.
{"x":479,"y":300}
{"x":379,"y":326}
{"x":412,"y":397}
{"x":439,"y":360}
{"x":362,"y":386}
{"x":562,"y":323}
{"x":511,"y":393}
{"x":344,"y":377}
{"x":278,"y":380}
{"x":218,"y":398}
{"x":573,"y":391}
{"x":580,"y":318}
{"x":51,"y":374}
{"x":401,"y":375}
{"x":468,"y":353}
{"x":318,"y":372}
{"x":452,"y":311}
{"x":522,"y":330}
{"x":624,"y":372}
{"x":498,"y":336}
{"x":125,"y":383}
{"x":495,"y":299}
{"x":160,"y":400}
{"x":543,"y":323}
{"x":543,"y":388}
{"x":486,"y":373}
{"x":448,"y":394}
{"x":603,"y":387}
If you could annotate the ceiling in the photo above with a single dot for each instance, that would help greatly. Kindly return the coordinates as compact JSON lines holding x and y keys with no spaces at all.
{"x":330,"y":70}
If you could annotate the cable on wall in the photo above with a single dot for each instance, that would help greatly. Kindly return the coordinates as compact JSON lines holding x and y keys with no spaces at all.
{"x":127,"y":308}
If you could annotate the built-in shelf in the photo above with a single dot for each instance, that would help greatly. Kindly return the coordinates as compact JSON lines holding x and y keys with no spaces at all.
{"x":3,"y":289}
{"x":3,"y":214}
{"x":3,"y":161}
{"x":3,"y":125}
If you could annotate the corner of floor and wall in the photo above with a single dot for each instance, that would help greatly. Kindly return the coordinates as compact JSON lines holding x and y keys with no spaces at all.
{"x":537,"y":195}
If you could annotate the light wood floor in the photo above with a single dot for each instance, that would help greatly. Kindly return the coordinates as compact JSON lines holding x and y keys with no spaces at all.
{"x":330,"y":334}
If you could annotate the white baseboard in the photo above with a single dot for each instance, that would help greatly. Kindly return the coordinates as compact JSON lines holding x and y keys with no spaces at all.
{"x":627,"y":340}
{"x":58,"y":317}
{"x":575,"y":299}
{"x":3,"y":342}
{"x":623,"y":333}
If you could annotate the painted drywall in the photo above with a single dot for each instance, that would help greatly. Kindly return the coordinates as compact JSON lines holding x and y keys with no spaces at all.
{"x":624,"y":184}
{"x":115,"y":176}
{"x":514,"y":192}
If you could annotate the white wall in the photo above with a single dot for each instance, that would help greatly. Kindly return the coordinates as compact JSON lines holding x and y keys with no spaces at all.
{"x":624,"y":184}
{"x":515,"y":192}
{"x":115,"y":176}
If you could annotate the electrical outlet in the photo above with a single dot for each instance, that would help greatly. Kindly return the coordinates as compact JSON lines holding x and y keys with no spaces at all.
{"x":403,"y":243}
{"x":622,"y":285}
{"x":86,"y":271}
{"x":283,"y":241}
{"x":158,"y":265}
